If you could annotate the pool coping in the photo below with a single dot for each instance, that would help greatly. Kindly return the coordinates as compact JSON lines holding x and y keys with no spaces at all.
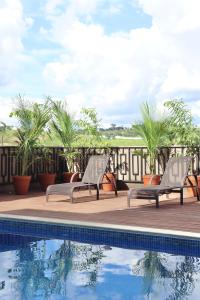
{"x":105,"y":226}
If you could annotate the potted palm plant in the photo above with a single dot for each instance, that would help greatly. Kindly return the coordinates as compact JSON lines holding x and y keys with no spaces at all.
{"x":32,"y":119}
{"x":47,"y":177}
{"x":152,"y":131}
{"x":64,"y":128}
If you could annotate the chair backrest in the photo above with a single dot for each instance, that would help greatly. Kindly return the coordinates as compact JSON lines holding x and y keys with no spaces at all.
{"x":176,"y":171}
{"x":95,"y":168}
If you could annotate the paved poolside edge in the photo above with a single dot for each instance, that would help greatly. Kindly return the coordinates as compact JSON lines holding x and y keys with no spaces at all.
{"x":136,"y":229}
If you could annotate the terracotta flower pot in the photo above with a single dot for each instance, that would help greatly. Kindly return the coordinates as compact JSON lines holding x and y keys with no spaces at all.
{"x":108,"y":182}
{"x":46,"y":179}
{"x":149,"y":180}
{"x":198,"y":182}
{"x":67,"y":176}
{"x":21,"y":184}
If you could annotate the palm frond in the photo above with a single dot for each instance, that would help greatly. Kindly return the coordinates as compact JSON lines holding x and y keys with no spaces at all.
{"x":32,"y":119}
{"x":151,"y":131}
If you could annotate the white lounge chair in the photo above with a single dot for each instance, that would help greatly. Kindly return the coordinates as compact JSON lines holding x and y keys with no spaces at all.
{"x":172,"y":181}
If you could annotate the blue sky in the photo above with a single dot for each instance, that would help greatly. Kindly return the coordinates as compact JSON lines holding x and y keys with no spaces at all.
{"x":108,"y":54}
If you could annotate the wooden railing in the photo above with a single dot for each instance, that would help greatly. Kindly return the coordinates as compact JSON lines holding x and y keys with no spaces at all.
{"x":129,"y":163}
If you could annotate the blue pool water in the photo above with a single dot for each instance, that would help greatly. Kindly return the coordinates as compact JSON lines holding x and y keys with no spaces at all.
{"x":48,"y":261}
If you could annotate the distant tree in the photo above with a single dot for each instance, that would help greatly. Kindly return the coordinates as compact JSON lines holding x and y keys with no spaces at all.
{"x":89,"y":126}
{"x":3,"y":128}
{"x":113,"y":126}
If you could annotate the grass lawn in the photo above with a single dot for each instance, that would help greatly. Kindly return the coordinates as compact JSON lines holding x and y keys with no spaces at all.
{"x":124,"y":142}
{"x":9,"y":139}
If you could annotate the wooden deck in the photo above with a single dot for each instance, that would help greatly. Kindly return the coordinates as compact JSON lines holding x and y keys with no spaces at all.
{"x":109,"y":209}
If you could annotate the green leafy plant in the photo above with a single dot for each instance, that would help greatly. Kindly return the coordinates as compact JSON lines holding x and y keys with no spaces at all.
{"x":89,"y":124}
{"x":181,"y":129}
{"x":152,"y":131}
{"x":64,"y":127}
{"x":32,"y":119}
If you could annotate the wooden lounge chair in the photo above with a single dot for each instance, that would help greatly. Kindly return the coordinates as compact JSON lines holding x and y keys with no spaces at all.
{"x":172,"y":181}
{"x":92,"y":177}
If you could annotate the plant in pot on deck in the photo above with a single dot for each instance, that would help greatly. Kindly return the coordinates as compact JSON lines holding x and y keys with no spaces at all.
{"x":91,"y":138}
{"x":64,"y":128}
{"x":32,"y":119}
{"x":184,"y":132}
{"x":47,"y":177}
{"x":152,"y":131}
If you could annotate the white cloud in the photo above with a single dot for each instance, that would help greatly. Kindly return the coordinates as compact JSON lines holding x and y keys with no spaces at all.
{"x":179,"y":25}
{"x":114,"y":71}
{"x":7,"y":106}
{"x":173,"y":16}
{"x":52,"y":5}
{"x":92,"y":67}
{"x":12,"y":27}
{"x":86,"y":8}
{"x":180,"y":78}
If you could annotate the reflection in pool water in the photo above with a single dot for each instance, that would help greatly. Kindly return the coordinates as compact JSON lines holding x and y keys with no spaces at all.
{"x":61,"y":269}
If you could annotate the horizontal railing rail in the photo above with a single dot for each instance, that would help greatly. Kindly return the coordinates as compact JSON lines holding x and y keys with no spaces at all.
{"x":129,"y":163}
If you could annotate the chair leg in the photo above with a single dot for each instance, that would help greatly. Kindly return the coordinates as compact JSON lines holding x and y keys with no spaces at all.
{"x":89,"y":188}
{"x":157,"y":201}
{"x":71,"y":196}
{"x":181,"y":196}
{"x":197,"y":193}
{"x":97,"y":193}
{"x":128,"y":202}
{"x":115,"y":187}
{"x":47,"y":197}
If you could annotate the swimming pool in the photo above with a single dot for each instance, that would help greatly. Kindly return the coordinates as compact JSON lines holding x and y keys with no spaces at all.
{"x":53,"y":261}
